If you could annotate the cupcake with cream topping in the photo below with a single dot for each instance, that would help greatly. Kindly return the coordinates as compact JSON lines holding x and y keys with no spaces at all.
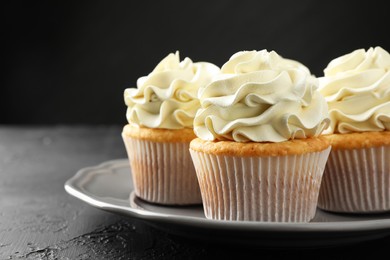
{"x":160,"y":114}
{"x":357,"y":175}
{"x":259,"y":155}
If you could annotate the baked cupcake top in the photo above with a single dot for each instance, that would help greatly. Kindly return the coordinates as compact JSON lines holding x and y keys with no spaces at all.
{"x":167,"y":97}
{"x":357,"y":89}
{"x":261,"y":97}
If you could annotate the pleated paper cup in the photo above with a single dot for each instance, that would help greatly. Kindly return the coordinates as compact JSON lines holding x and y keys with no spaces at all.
{"x":162,"y":169}
{"x":282,"y":188}
{"x":357,"y":181}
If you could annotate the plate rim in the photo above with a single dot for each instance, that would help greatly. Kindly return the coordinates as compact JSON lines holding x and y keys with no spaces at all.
{"x":72,"y":188}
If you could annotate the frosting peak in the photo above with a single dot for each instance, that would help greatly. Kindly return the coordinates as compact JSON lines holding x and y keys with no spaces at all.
{"x":261,"y":97}
{"x":249,"y":61}
{"x":167,"y":97}
{"x":357,"y":89}
{"x":359,"y":60}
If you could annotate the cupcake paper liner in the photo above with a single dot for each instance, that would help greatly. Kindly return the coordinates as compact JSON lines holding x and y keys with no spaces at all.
{"x":357,"y":181}
{"x":163,"y":172}
{"x":272,"y":189}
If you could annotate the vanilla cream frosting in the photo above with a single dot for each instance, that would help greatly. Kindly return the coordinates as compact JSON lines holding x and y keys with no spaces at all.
{"x":261,"y":97}
{"x":357,"y":89}
{"x":167,"y":97}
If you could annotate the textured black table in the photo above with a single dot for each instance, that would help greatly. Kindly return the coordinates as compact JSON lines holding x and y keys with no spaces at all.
{"x":39,"y":220}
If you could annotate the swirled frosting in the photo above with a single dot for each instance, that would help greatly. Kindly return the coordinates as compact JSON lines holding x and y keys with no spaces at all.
{"x":357,"y":89}
{"x":261,"y":97}
{"x":167,"y":97}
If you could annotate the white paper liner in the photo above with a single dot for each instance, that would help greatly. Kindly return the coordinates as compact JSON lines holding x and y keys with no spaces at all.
{"x":163,"y":172}
{"x":357,"y":181}
{"x":272,"y":189}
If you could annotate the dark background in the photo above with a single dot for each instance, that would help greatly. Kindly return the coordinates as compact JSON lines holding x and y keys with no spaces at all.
{"x":68,"y":62}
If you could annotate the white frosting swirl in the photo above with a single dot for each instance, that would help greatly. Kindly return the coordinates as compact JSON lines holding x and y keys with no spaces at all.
{"x":357,"y":89}
{"x":167,"y":97}
{"x":261,"y":97}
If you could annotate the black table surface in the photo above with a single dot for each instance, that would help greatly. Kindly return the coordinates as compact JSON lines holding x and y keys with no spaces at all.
{"x":39,"y":220}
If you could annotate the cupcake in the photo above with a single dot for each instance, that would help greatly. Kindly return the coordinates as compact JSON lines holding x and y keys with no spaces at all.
{"x":258,"y":154}
{"x":357,"y":175}
{"x":160,"y":117}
